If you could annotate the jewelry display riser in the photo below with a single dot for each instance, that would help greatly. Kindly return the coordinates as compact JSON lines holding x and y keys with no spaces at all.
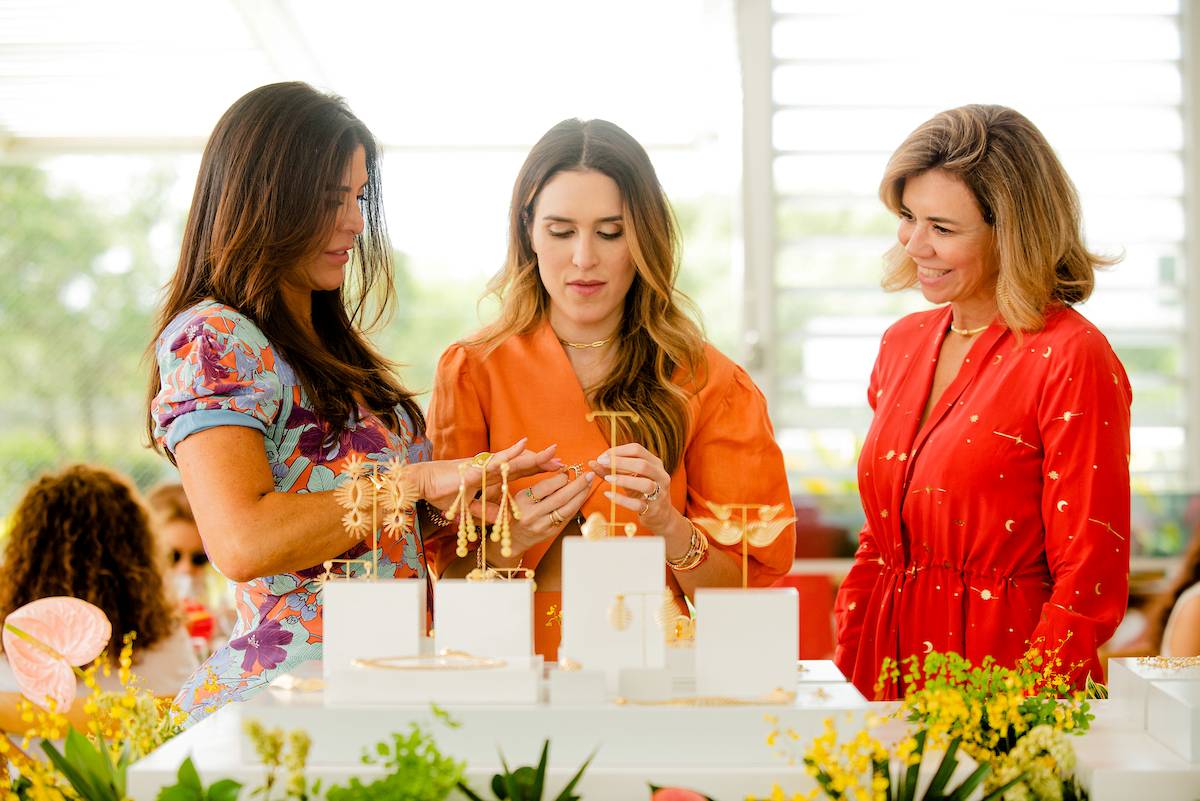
{"x":693,"y":747}
{"x":612,"y":602}
{"x":517,"y":681}
{"x":484,"y":617}
{"x":355,"y":629}
{"x":1160,"y":696}
{"x":630,"y":734}
{"x":746,"y":640}
{"x":1116,"y":761}
{"x":1129,"y":682}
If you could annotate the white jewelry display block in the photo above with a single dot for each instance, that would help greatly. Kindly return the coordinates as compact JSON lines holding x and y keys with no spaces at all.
{"x":644,"y":684}
{"x":518,"y":681}
{"x":1173,"y":716}
{"x":368,"y":619}
{"x":595,"y":572}
{"x":746,"y":641}
{"x":485,"y":618}
{"x":576,"y":687}
{"x":1129,"y":686}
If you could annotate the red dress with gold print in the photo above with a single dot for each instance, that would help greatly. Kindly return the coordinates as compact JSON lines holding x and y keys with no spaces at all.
{"x":1003,"y":522}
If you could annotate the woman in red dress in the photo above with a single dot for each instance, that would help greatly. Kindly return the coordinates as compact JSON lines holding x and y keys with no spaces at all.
{"x":995,"y":475}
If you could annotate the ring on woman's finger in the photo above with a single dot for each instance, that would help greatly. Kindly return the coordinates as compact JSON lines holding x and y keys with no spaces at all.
{"x":481,"y":459}
{"x":556,"y":518}
{"x":645,"y":508}
{"x":573,"y":471}
{"x":532,"y":497}
{"x":652,"y":496}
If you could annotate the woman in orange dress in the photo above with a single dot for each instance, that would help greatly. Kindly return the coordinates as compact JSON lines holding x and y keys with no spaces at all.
{"x":995,"y":475}
{"x":591,"y":319}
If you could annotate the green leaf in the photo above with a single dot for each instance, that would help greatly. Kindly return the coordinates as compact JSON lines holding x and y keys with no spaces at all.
{"x":539,"y":778}
{"x":177,"y":792}
{"x":999,"y":791}
{"x":500,"y":786}
{"x":949,"y":763}
{"x":83,"y":785}
{"x":189,"y":778}
{"x":224,"y":790}
{"x":565,"y":795}
{"x":968,"y":786}
{"x":467,"y":791}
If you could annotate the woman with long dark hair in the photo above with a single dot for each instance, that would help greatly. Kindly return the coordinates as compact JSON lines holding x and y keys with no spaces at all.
{"x":591,"y":319}
{"x":265,"y":390}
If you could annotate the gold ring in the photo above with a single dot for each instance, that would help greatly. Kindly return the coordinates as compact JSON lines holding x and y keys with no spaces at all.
{"x":645,"y":508}
{"x":652,"y":496}
{"x":556,"y":518}
{"x":481,"y":459}
{"x":577,"y":469}
{"x":532,"y":497}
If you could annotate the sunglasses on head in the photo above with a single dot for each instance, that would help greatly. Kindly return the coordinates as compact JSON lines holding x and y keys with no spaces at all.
{"x":197,"y":558}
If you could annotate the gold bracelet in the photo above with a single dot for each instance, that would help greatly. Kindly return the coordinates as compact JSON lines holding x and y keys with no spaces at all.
{"x":446,"y":660}
{"x":696,"y":553}
{"x":434,"y":514}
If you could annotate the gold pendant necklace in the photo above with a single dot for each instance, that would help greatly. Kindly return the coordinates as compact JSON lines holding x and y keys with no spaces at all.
{"x":599,"y":343}
{"x":969,"y":332}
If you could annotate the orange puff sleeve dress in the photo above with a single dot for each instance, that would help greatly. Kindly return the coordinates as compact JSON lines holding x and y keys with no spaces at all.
{"x":1003,"y":521}
{"x":526,"y":388}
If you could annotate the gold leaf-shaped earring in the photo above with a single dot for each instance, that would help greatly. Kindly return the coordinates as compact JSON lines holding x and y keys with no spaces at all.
{"x":619,"y":616}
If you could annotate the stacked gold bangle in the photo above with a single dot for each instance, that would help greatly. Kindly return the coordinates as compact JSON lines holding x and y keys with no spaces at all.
{"x":696,"y":552}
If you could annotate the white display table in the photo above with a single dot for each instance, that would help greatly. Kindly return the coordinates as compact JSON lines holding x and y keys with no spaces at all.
{"x":719,"y":751}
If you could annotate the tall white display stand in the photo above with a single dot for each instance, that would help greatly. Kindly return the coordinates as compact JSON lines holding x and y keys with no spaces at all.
{"x":486,"y":618}
{"x":612,"y":600}
{"x":371,"y":619}
{"x":746,"y":641}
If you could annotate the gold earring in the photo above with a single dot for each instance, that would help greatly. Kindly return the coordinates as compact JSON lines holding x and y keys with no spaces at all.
{"x":508,"y":508}
{"x":619,"y":616}
{"x":466,"y":524}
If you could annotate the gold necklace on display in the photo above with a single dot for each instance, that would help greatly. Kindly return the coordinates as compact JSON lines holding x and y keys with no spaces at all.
{"x":599,"y":343}
{"x":969,"y":332}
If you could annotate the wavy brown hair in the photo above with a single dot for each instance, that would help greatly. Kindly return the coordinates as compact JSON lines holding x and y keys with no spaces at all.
{"x":84,"y":532}
{"x":1023,"y":192}
{"x":263,"y":207}
{"x":657,"y":338}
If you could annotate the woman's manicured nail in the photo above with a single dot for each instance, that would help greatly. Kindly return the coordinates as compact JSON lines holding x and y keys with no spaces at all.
{"x":603,"y":459}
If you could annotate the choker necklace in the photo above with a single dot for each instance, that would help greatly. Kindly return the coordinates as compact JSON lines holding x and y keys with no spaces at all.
{"x":599,"y":343}
{"x":969,"y":332}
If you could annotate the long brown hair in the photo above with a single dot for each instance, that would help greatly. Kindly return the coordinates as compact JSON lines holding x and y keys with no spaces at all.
{"x":1023,"y":192}
{"x":262,"y":208}
{"x":1159,"y":609}
{"x":657,"y":338}
{"x":84,"y":532}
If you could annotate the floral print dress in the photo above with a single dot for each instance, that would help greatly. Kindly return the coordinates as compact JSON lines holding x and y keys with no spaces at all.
{"x":218,"y":369}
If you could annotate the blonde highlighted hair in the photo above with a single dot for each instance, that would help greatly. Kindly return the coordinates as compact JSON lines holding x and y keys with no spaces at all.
{"x":658,"y":342}
{"x":1023,"y":193}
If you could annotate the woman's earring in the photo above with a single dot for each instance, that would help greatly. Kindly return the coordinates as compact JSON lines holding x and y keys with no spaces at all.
{"x":619,"y":616}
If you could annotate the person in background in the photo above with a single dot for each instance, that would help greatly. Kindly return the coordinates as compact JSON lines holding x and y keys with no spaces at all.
{"x":591,"y":319}
{"x":1173,"y":618}
{"x":207,"y":614}
{"x":995,"y":475}
{"x":266,"y":392}
{"x":84,"y":532}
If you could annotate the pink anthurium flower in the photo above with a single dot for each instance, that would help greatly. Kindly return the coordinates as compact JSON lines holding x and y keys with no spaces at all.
{"x":47,"y":640}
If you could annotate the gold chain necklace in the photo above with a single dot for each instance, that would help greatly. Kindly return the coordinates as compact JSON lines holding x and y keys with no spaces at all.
{"x":969,"y":332}
{"x":599,"y":343}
